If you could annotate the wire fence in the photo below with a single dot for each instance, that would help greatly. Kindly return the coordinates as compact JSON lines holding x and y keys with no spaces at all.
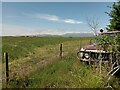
{"x":42,"y":56}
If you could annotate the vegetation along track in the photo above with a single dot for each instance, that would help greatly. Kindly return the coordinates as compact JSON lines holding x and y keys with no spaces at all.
{"x":44,"y":67}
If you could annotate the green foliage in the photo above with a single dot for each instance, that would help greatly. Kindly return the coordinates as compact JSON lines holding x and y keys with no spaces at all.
{"x":118,"y":42}
{"x":115,"y":25}
{"x":115,"y":17}
{"x":104,"y":41}
{"x":116,"y":83}
{"x":17,"y":81}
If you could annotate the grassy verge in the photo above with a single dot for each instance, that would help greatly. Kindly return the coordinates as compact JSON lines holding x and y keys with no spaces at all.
{"x":66,"y":73}
{"x":42,"y":67}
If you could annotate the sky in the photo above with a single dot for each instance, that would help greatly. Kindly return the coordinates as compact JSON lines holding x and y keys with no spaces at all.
{"x":30,"y":18}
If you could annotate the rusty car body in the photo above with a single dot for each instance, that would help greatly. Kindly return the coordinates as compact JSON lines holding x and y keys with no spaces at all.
{"x":93,"y":53}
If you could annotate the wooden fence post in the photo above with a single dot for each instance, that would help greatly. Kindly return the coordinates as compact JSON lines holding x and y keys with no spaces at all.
{"x":110,"y":60}
{"x":80,"y":45}
{"x":89,"y":57}
{"x":6,"y":67}
{"x":61,"y":50}
{"x":90,"y":42}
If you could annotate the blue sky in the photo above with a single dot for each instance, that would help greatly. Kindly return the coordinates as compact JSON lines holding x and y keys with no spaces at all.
{"x":24,"y":18}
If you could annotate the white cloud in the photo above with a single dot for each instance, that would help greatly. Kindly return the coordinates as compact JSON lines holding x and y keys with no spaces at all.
{"x":72,"y":21}
{"x":47,"y":17}
{"x":55,"y":18}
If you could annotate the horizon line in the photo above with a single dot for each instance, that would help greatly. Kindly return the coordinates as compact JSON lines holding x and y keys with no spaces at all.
{"x":50,"y":34}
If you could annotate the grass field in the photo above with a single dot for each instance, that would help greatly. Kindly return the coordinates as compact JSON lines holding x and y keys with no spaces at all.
{"x":35,"y":63}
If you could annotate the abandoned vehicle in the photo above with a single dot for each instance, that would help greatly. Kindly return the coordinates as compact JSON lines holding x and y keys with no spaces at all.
{"x":94,"y":52}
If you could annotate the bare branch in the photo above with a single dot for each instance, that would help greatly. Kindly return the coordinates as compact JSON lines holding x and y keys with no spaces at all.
{"x":112,"y":70}
{"x":113,"y":73}
{"x":93,"y":24}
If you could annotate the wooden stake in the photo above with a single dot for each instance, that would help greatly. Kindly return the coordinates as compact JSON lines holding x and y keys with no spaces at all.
{"x":90,"y":41}
{"x":61,"y":50}
{"x":6,"y":66}
{"x":80,"y":45}
{"x":110,"y":60}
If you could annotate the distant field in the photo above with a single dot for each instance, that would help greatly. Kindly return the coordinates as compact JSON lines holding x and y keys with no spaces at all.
{"x":35,"y":63}
{"x":21,"y":46}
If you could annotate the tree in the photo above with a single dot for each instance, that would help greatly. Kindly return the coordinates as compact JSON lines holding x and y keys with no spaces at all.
{"x":115,"y":26}
{"x":115,"y":17}
{"x":93,"y":24}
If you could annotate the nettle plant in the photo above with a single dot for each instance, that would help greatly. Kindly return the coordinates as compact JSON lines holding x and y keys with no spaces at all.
{"x":111,"y":43}
{"x":104,"y":42}
{"x":116,"y":48}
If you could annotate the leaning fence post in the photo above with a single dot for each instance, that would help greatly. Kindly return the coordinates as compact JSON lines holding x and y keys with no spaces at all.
{"x":6,"y":66}
{"x":61,"y":50}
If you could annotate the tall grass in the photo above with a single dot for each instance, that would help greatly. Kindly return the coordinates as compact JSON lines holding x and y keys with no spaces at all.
{"x":66,"y":73}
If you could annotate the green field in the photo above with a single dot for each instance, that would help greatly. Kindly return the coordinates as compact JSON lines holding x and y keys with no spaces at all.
{"x":34,"y":62}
